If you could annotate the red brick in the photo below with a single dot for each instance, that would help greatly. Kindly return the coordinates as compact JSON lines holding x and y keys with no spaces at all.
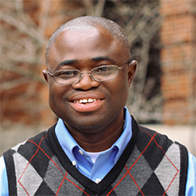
{"x":177,"y":59}
{"x":173,"y":7}
{"x":177,"y":56}
{"x":175,"y":86}
{"x":177,"y":29}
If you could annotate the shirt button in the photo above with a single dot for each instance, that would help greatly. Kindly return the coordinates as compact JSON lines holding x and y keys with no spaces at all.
{"x":81,"y":152}
{"x":98,"y":180}
{"x":74,"y":163}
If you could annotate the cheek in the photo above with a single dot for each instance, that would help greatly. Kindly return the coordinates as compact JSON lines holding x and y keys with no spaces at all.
{"x":119,"y":89}
{"x":122,"y":84}
{"x":53,"y":99}
{"x":56,"y":93}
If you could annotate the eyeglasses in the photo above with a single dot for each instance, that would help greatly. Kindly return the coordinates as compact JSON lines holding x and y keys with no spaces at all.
{"x":73,"y":76}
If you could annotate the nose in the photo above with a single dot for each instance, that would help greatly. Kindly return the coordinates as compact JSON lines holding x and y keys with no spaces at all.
{"x":86,"y":82}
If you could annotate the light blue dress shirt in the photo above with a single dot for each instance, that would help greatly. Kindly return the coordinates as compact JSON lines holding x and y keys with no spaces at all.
{"x":104,"y":162}
{"x":82,"y":160}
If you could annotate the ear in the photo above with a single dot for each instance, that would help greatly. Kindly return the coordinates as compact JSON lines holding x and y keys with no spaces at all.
{"x":131,"y":71}
{"x":45,"y":74}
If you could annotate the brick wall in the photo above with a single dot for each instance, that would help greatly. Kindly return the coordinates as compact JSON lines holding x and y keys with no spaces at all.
{"x":178,"y":60}
{"x":178,"y":35}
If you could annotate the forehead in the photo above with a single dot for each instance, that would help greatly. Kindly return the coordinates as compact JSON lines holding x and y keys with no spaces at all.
{"x":83,"y":45}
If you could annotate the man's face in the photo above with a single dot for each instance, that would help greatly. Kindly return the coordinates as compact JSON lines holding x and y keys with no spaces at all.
{"x":84,"y":51}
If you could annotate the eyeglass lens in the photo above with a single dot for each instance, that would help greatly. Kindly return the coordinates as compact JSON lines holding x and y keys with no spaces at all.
{"x":100,"y":73}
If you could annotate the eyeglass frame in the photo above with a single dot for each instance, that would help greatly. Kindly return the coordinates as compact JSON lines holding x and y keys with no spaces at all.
{"x":82,"y":72}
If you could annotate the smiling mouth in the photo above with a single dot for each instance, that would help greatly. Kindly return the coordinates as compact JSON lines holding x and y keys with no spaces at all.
{"x":85,"y":101}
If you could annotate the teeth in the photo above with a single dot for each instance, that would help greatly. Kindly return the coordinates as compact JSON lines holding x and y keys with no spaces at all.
{"x":85,"y":101}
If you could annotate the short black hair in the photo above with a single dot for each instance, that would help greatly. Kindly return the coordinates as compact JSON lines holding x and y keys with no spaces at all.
{"x":85,"y":23}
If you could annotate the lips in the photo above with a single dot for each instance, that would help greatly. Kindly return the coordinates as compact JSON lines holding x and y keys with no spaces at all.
{"x":86,"y":102}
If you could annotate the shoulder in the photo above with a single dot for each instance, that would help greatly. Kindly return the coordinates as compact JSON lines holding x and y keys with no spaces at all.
{"x":30,"y":146}
{"x":151,"y":142}
{"x":27,"y":143}
{"x":163,"y":143}
{"x":144,"y":134}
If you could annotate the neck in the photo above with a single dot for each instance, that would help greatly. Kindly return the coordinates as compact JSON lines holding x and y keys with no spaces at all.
{"x":101,"y":140}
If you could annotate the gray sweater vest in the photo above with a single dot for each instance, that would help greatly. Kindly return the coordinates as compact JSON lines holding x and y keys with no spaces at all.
{"x":151,"y":164}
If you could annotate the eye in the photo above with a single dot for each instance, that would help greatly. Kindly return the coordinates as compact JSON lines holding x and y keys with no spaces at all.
{"x":66,"y":74}
{"x":103,"y":69}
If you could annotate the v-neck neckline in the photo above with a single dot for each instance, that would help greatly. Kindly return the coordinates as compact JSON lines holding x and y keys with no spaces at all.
{"x":83,"y":180}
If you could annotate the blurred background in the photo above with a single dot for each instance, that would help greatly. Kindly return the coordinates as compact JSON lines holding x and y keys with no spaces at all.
{"x":162,"y":38}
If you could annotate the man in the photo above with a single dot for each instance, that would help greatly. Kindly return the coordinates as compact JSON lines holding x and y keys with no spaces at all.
{"x":96,"y":147}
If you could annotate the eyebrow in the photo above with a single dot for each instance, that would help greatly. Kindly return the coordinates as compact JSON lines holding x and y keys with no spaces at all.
{"x":103,"y":58}
{"x":66,"y":62}
{"x":96,"y":59}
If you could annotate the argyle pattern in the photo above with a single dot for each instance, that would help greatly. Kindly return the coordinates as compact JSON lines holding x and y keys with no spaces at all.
{"x":34,"y":178}
{"x":150,"y":165}
{"x":148,"y":177}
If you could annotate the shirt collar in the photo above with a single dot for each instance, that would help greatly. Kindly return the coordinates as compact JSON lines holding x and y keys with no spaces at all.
{"x":65,"y":139}
{"x":126,"y":135}
{"x":68,"y":143}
